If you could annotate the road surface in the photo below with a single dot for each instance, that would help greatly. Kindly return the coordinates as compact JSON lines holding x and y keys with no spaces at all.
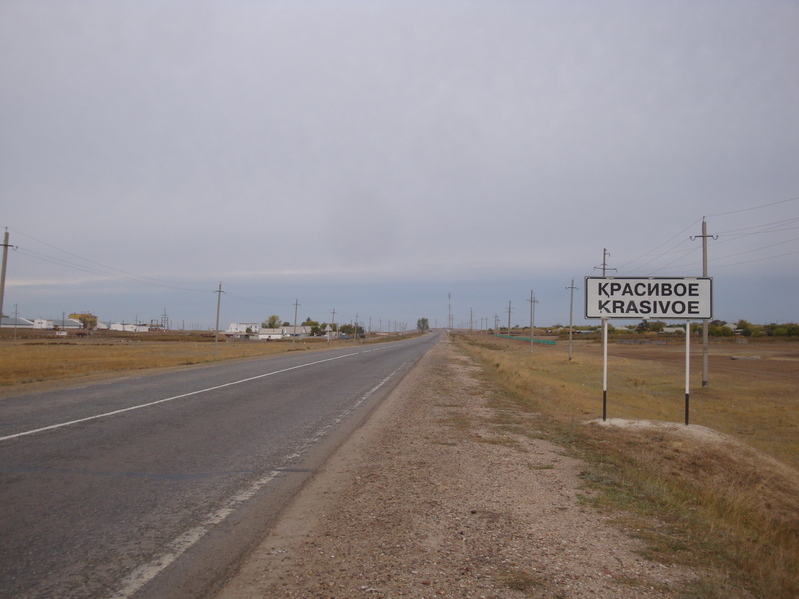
{"x":157,"y":486}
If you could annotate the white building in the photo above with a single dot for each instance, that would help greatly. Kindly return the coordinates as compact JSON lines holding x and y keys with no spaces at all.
{"x":241,"y":327}
{"x":285,"y":333}
{"x":127,"y":327}
{"x":61,"y":323}
{"x":270,"y":334}
{"x":10,"y":322}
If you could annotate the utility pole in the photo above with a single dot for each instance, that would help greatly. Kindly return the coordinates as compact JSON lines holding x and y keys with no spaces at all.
{"x":470,"y":320}
{"x":705,"y":323}
{"x":294,"y":335}
{"x":571,"y":312}
{"x":449,"y":311}
{"x":355,"y":331}
{"x":533,"y":302}
{"x":333,"y":326}
{"x":6,"y":245}
{"x":218,"y":305}
{"x":509,"y":311}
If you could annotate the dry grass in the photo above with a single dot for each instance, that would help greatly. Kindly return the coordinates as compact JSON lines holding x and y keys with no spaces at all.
{"x":726,"y":502}
{"x":26,"y":362}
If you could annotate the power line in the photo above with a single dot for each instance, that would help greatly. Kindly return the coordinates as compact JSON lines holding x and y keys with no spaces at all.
{"x":109,"y":272}
{"x":753,"y":207}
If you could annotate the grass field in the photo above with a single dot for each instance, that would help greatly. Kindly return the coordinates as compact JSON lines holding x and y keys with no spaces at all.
{"x":37,"y":360}
{"x":729,"y":502}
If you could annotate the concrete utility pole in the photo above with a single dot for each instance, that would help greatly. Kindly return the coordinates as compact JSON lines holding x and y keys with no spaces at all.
{"x":333,"y":326}
{"x":509,"y":311}
{"x":218,"y":306}
{"x":355,"y":331}
{"x":571,"y":312}
{"x":296,"y":305}
{"x":6,"y":245}
{"x":449,"y":311}
{"x":533,"y":302}
{"x":705,"y":323}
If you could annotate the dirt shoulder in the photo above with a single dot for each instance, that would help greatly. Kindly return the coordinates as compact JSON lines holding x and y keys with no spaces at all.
{"x":430,"y":498}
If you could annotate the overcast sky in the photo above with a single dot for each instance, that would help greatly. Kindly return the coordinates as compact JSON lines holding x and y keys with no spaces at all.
{"x":373,"y":157}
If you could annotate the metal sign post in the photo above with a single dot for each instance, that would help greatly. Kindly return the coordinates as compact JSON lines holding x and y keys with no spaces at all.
{"x":687,"y":367}
{"x":668,"y":298}
{"x":605,"y":369}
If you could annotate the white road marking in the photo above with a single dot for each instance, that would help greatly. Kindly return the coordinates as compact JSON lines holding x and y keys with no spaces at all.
{"x":160,"y":401}
{"x":144,"y":574}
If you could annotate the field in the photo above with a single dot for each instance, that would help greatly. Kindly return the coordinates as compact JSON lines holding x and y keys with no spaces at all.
{"x":724,"y":494}
{"x":40,"y":360}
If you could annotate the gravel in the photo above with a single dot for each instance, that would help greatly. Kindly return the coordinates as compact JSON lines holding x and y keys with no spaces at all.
{"x":431,"y":499}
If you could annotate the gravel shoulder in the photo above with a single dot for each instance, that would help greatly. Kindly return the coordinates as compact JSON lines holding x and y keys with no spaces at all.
{"x":431,"y":499}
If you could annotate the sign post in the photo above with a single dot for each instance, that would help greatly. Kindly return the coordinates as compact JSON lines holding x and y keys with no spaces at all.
{"x":668,"y":298}
{"x":687,"y":367}
{"x":605,"y":369}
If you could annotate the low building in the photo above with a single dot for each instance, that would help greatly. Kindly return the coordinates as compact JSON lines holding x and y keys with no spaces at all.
{"x":128,"y":327}
{"x":56,"y":323}
{"x":270,"y":334}
{"x":243,"y":327}
{"x":11,"y":322}
{"x":284,"y":333}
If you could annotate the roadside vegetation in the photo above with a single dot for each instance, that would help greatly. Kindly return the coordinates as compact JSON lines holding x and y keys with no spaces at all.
{"x":40,"y":357}
{"x":726,"y":503}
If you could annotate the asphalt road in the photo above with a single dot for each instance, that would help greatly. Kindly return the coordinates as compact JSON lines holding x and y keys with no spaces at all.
{"x":157,"y":486}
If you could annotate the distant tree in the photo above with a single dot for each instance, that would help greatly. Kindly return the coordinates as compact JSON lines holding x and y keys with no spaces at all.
{"x":273,"y":322}
{"x":349,"y":329}
{"x":422,"y":325}
{"x":650,"y":326}
{"x":286,"y":324}
{"x":315,"y":327}
{"x":718,"y":330}
{"x":788,"y":329}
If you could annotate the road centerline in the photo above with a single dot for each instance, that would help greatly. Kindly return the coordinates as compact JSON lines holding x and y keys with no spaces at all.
{"x":168,"y":399}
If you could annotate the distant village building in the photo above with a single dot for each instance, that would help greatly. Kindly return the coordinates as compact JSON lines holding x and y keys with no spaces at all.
{"x":60,"y":323}
{"x":127,"y":327}
{"x":10,"y":322}
{"x":243,"y":327}
{"x":270,"y":334}
{"x":284,"y":333}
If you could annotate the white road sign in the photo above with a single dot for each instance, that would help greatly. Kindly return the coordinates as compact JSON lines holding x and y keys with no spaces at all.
{"x":683,"y":298}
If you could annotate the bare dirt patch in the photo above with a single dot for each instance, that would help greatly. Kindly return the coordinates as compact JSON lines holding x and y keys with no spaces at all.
{"x":436,"y":496}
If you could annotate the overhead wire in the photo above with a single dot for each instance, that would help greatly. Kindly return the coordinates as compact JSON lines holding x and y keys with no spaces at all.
{"x":98,"y":268}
